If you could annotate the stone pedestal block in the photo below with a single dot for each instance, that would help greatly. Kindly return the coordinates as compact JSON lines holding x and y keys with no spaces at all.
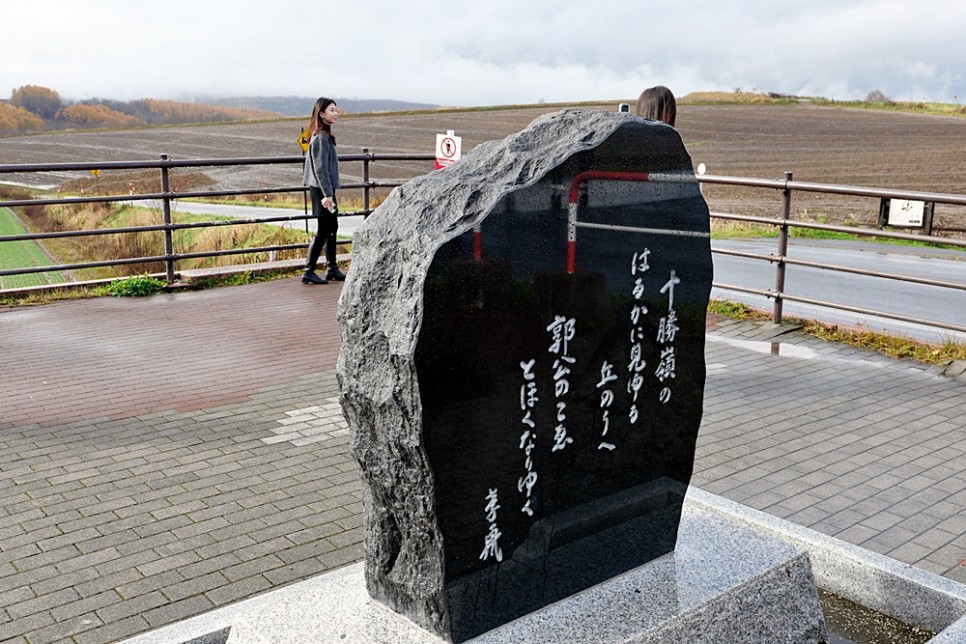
{"x":724,"y":583}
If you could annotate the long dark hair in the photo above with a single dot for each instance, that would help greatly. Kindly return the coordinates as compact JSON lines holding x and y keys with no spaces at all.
{"x":657,"y":103}
{"x":316,"y":124}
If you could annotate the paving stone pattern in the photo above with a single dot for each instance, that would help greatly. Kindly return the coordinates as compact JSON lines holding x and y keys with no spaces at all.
{"x":160,"y":457}
{"x":857,"y":446}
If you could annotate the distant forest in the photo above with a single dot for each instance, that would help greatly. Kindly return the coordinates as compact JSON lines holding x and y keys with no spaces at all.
{"x":33,"y":108}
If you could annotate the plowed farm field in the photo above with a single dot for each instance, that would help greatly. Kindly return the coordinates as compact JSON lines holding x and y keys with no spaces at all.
{"x":818,"y":144}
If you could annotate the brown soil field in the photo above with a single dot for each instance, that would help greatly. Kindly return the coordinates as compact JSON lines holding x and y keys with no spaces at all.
{"x":818,"y":144}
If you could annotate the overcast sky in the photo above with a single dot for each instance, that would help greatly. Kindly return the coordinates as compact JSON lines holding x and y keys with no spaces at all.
{"x":482,"y":53}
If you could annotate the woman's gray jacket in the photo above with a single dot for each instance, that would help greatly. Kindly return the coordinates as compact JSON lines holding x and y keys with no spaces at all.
{"x":321,"y":165}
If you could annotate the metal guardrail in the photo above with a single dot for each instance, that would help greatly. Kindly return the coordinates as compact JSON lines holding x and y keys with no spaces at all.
{"x":166,"y":196}
{"x":784,"y":224}
{"x":781,"y":259}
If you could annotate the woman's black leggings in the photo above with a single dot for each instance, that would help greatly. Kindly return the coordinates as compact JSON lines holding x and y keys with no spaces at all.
{"x":325,"y":235}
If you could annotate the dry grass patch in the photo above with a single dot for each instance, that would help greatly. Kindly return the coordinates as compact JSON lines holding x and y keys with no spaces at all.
{"x":79,"y":250}
{"x":888,"y":345}
{"x":742,"y":98}
{"x":893,"y":346}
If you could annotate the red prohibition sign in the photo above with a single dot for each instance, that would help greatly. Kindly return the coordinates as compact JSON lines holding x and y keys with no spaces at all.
{"x":447,"y":147}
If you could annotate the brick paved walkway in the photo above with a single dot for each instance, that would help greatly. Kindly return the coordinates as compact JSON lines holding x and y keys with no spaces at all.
{"x":163,"y":456}
{"x":186,"y":351}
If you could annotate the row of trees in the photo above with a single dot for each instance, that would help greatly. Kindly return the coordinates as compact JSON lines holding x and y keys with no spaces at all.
{"x":16,"y":119}
{"x":33,"y":108}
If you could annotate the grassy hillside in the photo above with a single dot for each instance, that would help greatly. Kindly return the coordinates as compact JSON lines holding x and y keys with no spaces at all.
{"x":754,"y":98}
{"x":72,"y":250}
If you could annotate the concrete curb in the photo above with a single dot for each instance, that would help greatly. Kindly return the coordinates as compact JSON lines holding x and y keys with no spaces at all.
{"x":869,"y":579}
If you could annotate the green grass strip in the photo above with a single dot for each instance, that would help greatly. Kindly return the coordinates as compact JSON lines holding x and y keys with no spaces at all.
{"x":22,"y":254}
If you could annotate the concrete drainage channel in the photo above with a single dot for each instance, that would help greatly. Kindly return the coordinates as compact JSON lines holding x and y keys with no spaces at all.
{"x":849,"y":623}
{"x":866,"y":579}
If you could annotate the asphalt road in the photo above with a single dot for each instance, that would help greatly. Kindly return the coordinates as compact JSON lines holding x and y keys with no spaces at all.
{"x":893,"y":296}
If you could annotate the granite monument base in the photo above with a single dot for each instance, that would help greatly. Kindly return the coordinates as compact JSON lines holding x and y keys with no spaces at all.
{"x":723,"y":583}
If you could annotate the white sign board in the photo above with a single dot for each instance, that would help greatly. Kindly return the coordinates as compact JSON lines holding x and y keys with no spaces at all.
{"x":449,"y":148}
{"x":904,"y":212}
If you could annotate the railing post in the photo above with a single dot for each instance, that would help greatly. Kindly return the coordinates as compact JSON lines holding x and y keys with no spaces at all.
{"x":930,"y":215}
{"x":166,"y":219}
{"x":782,"y":250}
{"x":365,"y":180}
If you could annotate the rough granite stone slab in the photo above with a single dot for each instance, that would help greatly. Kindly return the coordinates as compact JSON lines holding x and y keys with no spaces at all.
{"x":465,"y":276}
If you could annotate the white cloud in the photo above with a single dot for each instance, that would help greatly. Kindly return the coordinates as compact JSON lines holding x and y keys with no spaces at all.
{"x":501,"y":51}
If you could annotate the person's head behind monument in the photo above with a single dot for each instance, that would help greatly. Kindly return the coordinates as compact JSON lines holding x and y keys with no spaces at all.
{"x":657,"y":104}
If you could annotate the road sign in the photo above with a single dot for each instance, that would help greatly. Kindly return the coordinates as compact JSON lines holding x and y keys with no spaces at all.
{"x":449,"y":148}
{"x":906,"y":212}
{"x":303,"y":140}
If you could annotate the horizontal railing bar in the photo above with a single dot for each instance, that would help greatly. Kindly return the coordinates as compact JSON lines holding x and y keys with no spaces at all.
{"x":832,"y":188}
{"x":197,"y":194}
{"x":892,"y":276}
{"x":738,"y":253}
{"x":154,"y":164}
{"x":744,"y":289}
{"x":859,"y":191}
{"x":67,"y":267}
{"x":751,"y":218}
{"x":649,"y":231}
{"x":153,"y":228}
{"x":770,"y":294}
{"x":387,"y":156}
{"x":10,"y":168}
{"x":156,"y":259}
{"x":144,"y":196}
{"x":881,"y":314}
{"x":849,"y":230}
{"x":777,"y":184}
{"x":243,"y":251}
{"x":842,"y":269}
{"x":171,"y":226}
{"x":885,"y":234}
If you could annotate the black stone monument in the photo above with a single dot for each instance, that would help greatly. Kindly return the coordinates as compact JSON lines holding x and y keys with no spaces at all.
{"x":523,"y":368}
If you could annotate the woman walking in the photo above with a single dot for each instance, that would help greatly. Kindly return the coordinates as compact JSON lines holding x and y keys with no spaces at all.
{"x":321,"y":175}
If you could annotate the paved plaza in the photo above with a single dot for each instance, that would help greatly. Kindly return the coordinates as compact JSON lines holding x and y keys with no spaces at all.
{"x":164,"y":456}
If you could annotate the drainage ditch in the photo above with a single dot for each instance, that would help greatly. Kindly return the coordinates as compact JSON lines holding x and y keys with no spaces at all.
{"x":850,"y":623}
